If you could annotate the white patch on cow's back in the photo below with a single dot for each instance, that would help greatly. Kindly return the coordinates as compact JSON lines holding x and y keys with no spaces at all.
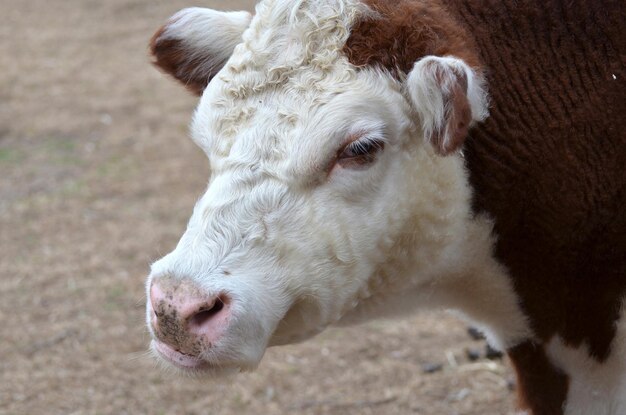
{"x":594,"y":388}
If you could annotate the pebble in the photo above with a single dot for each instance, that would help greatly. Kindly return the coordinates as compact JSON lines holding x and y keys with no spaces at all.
{"x":492,"y":354}
{"x":431,"y":367}
{"x":472,"y":354}
{"x":511,"y":384}
{"x":475,"y":334}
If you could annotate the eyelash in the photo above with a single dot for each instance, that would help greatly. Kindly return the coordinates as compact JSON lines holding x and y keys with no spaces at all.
{"x":360,"y":153}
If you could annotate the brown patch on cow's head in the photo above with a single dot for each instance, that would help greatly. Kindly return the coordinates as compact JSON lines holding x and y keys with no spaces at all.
{"x":396,"y":36}
{"x":401,"y":32}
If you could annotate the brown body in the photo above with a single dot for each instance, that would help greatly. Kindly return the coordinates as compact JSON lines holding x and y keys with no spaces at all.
{"x":549,"y":165}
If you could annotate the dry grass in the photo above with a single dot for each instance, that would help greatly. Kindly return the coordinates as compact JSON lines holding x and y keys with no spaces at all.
{"x":97,"y":179}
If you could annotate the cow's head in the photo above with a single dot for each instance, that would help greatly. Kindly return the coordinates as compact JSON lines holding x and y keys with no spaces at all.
{"x":336,"y":190}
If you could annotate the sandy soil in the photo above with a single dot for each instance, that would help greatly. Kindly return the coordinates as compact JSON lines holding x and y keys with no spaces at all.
{"x":97,"y":179}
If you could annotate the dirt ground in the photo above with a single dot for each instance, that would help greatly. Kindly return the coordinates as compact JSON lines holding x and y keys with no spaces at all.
{"x":97,"y":179}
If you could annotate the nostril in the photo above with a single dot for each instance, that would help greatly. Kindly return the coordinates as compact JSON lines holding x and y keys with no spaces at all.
{"x":206,"y":314}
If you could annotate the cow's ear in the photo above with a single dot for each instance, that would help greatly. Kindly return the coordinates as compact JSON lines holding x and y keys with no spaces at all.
{"x":196,"y":43}
{"x":449,"y":97}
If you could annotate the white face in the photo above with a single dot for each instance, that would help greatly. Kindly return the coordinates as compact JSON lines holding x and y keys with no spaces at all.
{"x":322,"y":197}
{"x":298,"y":227}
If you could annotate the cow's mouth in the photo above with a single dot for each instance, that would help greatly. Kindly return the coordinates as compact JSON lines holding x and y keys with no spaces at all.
{"x":178,"y":359}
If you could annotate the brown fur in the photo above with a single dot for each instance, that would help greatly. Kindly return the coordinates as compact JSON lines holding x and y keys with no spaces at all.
{"x":458,"y":117}
{"x":172,"y":58}
{"x":549,"y":165}
{"x":406,"y":31}
{"x":542,"y":387}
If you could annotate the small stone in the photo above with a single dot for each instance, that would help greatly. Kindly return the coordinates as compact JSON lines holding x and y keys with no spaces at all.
{"x":492,"y":354}
{"x":472,"y":354}
{"x":106,"y":119}
{"x":511,"y":384}
{"x":431,"y":367}
{"x":459,"y":395}
{"x":475,"y":334}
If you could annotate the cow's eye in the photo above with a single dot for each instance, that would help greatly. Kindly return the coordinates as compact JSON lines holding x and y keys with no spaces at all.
{"x":360,"y":153}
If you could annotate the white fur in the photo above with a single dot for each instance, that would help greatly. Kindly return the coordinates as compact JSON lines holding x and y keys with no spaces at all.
{"x":208,"y":36}
{"x":307,"y":244}
{"x":431,"y":79}
{"x":594,"y":388}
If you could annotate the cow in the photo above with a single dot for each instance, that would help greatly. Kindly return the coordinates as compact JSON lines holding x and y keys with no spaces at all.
{"x":370,"y":158}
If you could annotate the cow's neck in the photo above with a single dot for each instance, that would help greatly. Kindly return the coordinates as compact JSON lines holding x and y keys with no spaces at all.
{"x":444,"y":259}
